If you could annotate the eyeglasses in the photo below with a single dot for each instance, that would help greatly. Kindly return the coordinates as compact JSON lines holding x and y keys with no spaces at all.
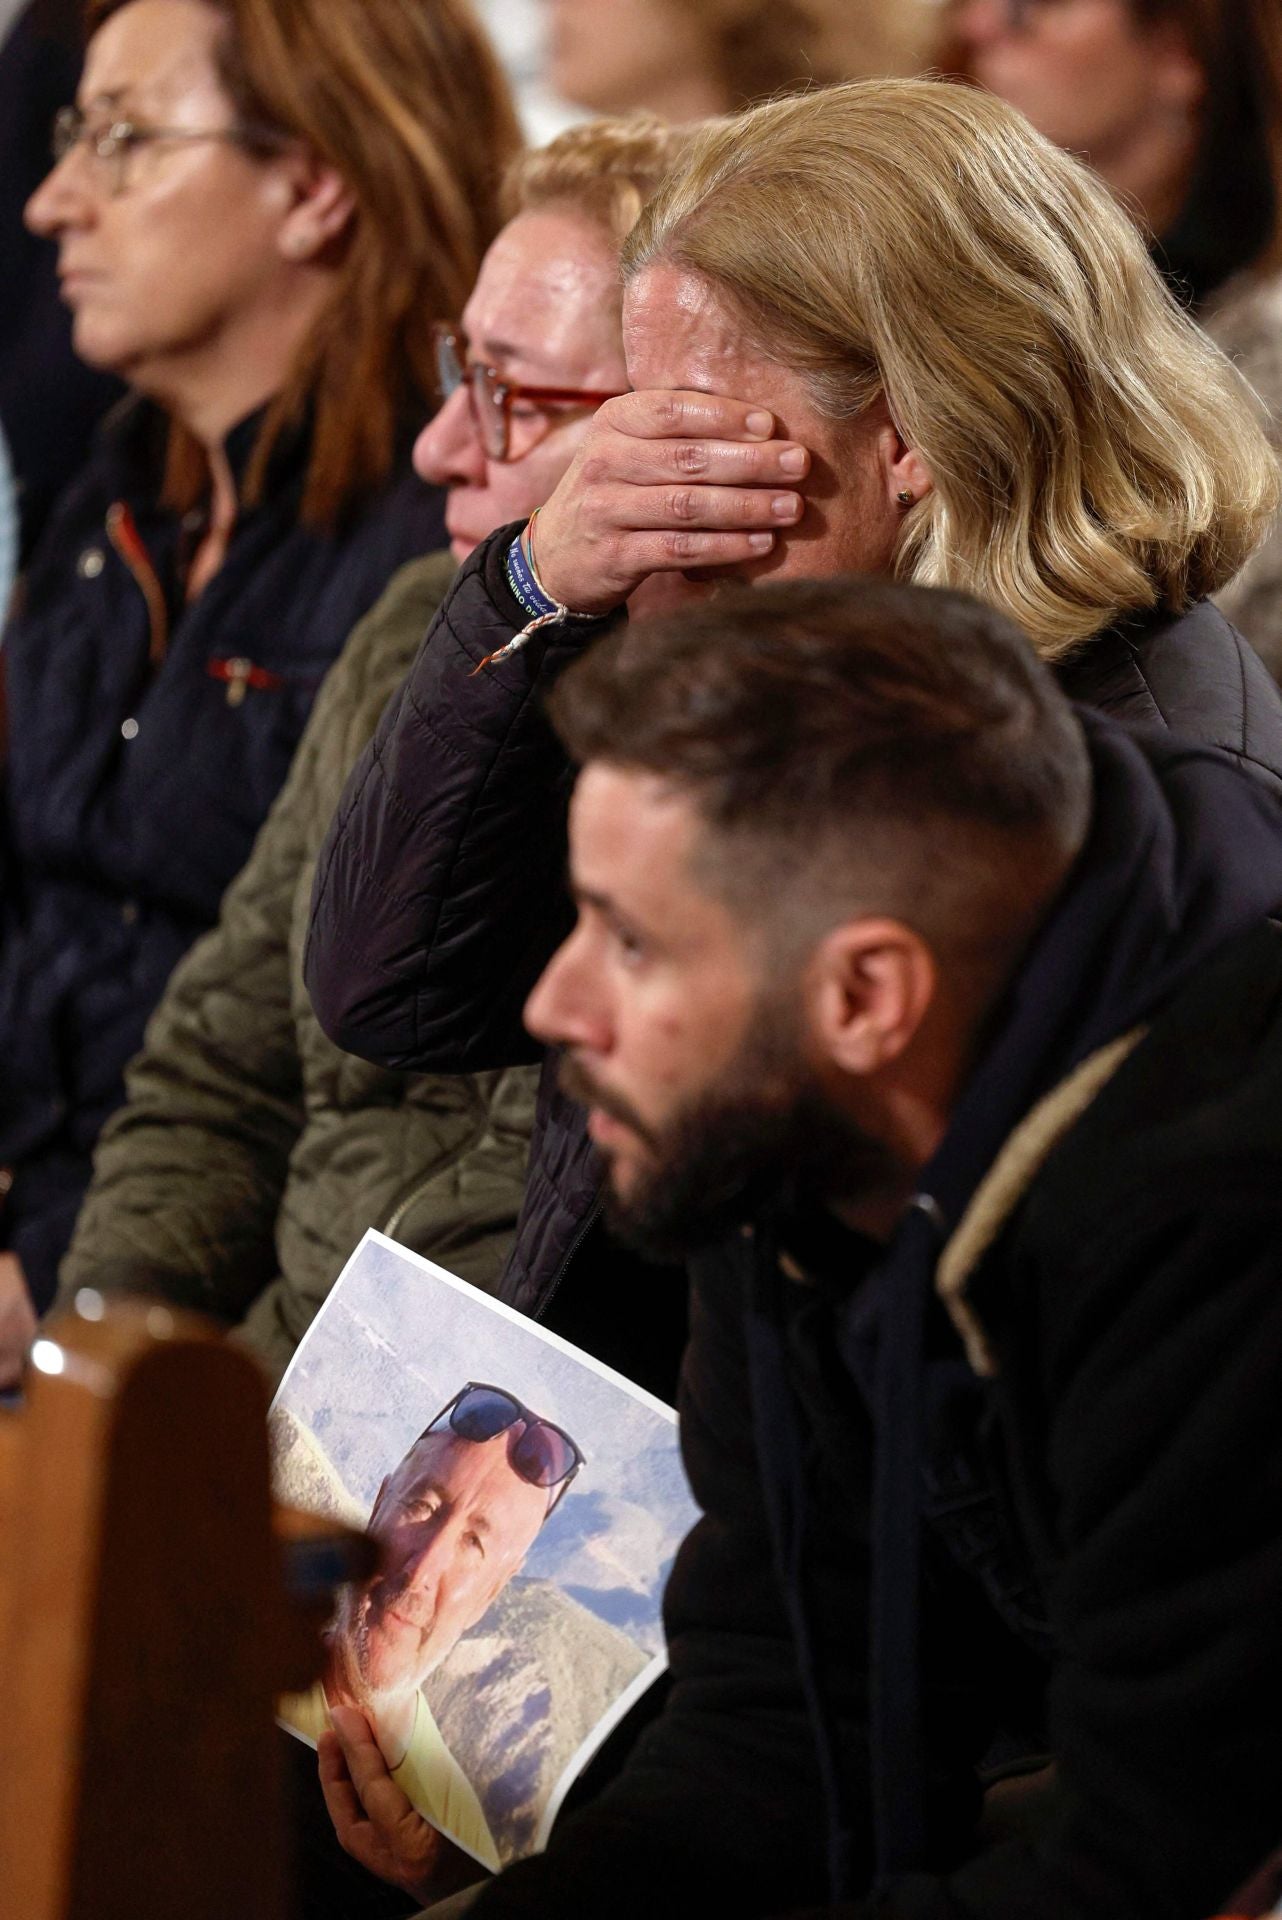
{"x":493,"y":398}
{"x":543,"y":1455}
{"x":1023,"y":15}
{"x":112,"y":145}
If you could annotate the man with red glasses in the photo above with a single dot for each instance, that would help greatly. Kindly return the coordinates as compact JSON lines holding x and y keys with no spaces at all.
{"x":455,"y":1518}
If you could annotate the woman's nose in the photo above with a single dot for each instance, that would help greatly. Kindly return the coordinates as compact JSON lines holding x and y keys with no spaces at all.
{"x":59,"y":201}
{"x":979,"y":22}
{"x":448,"y":452}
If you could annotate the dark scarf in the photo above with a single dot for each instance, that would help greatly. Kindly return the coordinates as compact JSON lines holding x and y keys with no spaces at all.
{"x":1184,"y":853}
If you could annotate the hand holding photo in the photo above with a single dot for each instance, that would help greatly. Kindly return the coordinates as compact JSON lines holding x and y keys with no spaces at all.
{"x":515,"y":1613}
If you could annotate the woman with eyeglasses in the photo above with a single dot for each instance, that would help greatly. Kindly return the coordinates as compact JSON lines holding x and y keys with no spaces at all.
{"x":1178,"y":104}
{"x":260,"y":207}
{"x":251,"y":1153}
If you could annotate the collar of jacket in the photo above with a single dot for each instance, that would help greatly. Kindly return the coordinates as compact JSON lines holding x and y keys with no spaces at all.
{"x":137,"y":428}
{"x":1008,"y":1180}
{"x":1184,"y":852}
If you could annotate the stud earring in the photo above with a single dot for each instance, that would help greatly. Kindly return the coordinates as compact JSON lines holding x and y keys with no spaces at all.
{"x":296,"y":245}
{"x":906,"y":497}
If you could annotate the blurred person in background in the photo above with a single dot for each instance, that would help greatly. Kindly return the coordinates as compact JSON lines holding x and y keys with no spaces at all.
{"x":516,"y":28}
{"x":1178,"y":104}
{"x":261,"y":208}
{"x":690,"y":62}
{"x":251,"y":1154}
{"x":50,"y":401}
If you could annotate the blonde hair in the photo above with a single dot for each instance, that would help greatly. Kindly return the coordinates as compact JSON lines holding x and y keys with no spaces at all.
{"x":1092,"y":453}
{"x":605,"y":170}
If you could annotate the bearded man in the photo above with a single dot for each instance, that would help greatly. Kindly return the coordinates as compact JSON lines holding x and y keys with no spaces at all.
{"x":939,"y":1022}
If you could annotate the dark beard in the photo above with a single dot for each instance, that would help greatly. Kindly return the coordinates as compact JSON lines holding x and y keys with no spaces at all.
{"x":751,"y":1148}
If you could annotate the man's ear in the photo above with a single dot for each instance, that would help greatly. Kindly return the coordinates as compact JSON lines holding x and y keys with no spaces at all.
{"x":321,"y":206}
{"x":870,"y":986}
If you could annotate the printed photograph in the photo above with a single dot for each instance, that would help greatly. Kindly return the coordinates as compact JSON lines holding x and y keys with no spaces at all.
{"x":528,"y":1502}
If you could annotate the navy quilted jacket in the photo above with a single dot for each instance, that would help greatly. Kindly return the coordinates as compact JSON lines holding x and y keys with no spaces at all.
{"x":147,"y":738}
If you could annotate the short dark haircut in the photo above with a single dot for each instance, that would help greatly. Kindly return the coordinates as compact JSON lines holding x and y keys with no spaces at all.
{"x":850,"y":743}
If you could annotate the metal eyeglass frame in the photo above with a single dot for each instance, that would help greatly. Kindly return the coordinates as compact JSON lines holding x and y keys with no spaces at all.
{"x":113,"y":144}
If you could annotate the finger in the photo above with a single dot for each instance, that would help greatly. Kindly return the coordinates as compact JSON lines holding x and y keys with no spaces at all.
{"x":340,"y":1796}
{"x":720,"y":509}
{"x":377,"y":1792}
{"x":659,"y":413}
{"x":678,"y":552}
{"x":754,"y":463}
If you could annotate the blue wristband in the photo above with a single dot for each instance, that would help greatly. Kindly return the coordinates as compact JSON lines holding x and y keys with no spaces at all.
{"x":525,"y":588}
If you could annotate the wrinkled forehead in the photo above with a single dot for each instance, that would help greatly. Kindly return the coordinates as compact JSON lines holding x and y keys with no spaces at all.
{"x":152,"y":56}
{"x":679,"y":330}
{"x":545,"y":306}
{"x":471,"y":1476}
{"x":443,"y":1459}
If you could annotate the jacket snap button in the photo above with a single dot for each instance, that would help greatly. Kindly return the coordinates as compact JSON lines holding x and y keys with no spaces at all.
{"x":129,"y":913}
{"x":129,"y":729}
{"x":90,"y":563}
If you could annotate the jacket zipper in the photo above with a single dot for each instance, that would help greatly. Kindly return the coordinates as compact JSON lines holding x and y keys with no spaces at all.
{"x":586,"y":1226}
{"x":122,"y":531}
{"x":403,"y":1206}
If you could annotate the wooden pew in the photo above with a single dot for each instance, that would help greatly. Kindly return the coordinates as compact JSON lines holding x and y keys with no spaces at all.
{"x":151,"y":1607}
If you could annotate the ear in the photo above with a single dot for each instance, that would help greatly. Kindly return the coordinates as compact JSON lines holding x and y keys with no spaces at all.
{"x":321,"y":206}
{"x":903,"y":470}
{"x":871,"y":984}
{"x":1176,"y":76}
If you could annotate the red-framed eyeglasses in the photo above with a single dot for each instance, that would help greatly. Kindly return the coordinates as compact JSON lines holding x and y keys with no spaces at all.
{"x":493,"y":397}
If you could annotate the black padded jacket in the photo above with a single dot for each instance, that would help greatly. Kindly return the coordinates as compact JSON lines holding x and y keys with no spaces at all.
{"x":440,"y":892}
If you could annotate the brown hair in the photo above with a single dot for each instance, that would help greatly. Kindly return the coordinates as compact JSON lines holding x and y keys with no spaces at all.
{"x":604,"y":169}
{"x":1232,"y":217}
{"x":406,"y":100}
{"x":1092,"y":453}
{"x":901,"y":743}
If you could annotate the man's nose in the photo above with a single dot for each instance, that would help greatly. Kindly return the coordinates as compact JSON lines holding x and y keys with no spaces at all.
{"x":420,"y":1577}
{"x":448,"y":452}
{"x":567,"y":1007}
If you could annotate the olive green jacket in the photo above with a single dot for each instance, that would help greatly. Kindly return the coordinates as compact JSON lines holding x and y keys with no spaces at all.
{"x":251,"y":1154}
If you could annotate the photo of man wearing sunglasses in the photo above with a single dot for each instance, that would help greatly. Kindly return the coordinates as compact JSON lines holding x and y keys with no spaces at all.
{"x":455,"y":1518}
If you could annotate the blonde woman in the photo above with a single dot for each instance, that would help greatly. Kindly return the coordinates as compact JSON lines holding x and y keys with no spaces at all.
{"x":1178,"y":104}
{"x":884,"y":329}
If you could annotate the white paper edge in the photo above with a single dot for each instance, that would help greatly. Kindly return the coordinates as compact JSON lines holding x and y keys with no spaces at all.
{"x":578,"y":1760}
{"x":488,"y":1301}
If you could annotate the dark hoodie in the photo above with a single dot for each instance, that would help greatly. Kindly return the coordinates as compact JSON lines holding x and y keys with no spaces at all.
{"x":904,"y":1570}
